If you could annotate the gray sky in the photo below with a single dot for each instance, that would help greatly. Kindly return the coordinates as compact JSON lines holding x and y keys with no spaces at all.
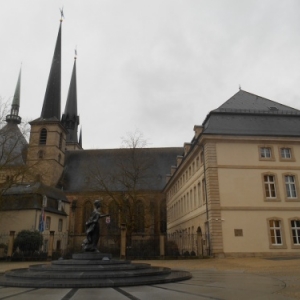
{"x":158,"y":66}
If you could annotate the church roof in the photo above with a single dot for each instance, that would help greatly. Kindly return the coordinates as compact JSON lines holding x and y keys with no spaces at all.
{"x":12,"y":146}
{"x":52,"y":100}
{"x":70,"y":118}
{"x":82,"y":167}
{"x":71,"y":104}
{"x":36,"y":188}
{"x":249,"y":114}
{"x":14,"y":117}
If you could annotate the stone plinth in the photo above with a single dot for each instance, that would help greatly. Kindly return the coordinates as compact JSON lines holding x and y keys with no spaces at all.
{"x":90,"y":269}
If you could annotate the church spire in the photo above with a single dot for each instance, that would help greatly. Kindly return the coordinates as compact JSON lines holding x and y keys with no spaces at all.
{"x":70,"y":119}
{"x":13,"y":117}
{"x":80,"y":138}
{"x":52,"y":100}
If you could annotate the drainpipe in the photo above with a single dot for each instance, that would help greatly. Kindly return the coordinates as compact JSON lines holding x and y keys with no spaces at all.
{"x":207,"y":219}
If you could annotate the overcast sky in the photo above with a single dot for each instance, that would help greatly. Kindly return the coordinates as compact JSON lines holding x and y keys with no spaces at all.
{"x":156,"y":66}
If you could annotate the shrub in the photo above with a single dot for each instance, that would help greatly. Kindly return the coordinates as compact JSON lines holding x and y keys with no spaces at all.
{"x":28,"y":241}
{"x":172,"y":249}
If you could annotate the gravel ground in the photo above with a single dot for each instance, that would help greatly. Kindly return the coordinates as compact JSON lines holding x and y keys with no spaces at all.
{"x":286,"y":270}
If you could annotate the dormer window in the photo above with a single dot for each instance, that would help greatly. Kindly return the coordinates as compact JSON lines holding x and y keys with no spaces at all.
{"x":60,"y":205}
{"x":273,"y":108}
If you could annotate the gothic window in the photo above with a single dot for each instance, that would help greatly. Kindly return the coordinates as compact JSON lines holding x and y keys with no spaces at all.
{"x":140,"y":217}
{"x":87,"y":210}
{"x":114,"y":216}
{"x":43,"y":136}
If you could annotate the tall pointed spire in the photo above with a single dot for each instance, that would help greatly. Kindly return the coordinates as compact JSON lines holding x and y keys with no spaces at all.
{"x":80,"y":137}
{"x":70,"y":119}
{"x":13,"y":117}
{"x":52,"y":100}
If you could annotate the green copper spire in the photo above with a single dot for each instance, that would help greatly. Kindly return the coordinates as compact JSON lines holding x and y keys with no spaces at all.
{"x":13,"y":117}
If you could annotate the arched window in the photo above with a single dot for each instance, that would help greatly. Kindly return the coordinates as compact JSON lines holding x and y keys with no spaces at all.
{"x":87,"y":210}
{"x":114,"y":216}
{"x":140,"y":217}
{"x":43,"y":136}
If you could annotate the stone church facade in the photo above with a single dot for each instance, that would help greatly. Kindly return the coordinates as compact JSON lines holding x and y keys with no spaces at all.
{"x":60,"y":170}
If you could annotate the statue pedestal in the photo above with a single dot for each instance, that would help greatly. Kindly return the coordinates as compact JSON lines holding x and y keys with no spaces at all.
{"x":90,"y":270}
{"x":91,"y":256}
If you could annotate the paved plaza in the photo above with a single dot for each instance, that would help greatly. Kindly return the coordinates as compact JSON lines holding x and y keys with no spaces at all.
{"x":230,"y":278}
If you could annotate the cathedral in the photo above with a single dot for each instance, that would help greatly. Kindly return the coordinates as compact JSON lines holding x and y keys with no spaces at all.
{"x":232,"y":190}
{"x":50,"y":183}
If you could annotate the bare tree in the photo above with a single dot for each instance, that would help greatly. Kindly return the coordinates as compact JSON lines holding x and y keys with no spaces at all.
{"x":125,"y":183}
{"x":13,"y":151}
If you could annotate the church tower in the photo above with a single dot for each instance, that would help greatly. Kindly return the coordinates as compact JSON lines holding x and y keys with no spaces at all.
{"x":46,"y":151}
{"x":70,"y":119}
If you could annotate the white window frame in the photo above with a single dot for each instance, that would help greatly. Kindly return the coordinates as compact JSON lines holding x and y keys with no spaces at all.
{"x":285,"y":153}
{"x":275,"y":229}
{"x":265,"y":152}
{"x":268,"y":183}
{"x":48,"y":223}
{"x":295,"y":231}
{"x":290,"y":186}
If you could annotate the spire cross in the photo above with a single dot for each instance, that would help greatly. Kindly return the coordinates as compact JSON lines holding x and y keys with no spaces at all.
{"x":62,"y":14}
{"x":75,"y":52}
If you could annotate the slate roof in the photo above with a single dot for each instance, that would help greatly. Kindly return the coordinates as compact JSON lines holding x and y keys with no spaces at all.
{"x":12,"y":146}
{"x":79,"y":165}
{"x":52,"y":100}
{"x":36,"y":188}
{"x":249,"y":114}
{"x":70,"y":118}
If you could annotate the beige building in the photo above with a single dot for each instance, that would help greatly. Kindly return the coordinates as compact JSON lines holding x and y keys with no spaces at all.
{"x":237,"y":183}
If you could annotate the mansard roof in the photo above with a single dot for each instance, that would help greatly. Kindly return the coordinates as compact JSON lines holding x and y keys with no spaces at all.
{"x":82,"y":166}
{"x":249,"y":114}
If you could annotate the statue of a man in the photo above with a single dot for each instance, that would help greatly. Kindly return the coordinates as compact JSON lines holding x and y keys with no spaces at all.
{"x":93,"y":229}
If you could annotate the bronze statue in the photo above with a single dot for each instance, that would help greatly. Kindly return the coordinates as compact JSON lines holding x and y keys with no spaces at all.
{"x":93,"y":229}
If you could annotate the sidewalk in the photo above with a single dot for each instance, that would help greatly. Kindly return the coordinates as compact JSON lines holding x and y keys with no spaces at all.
{"x":228,"y":278}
